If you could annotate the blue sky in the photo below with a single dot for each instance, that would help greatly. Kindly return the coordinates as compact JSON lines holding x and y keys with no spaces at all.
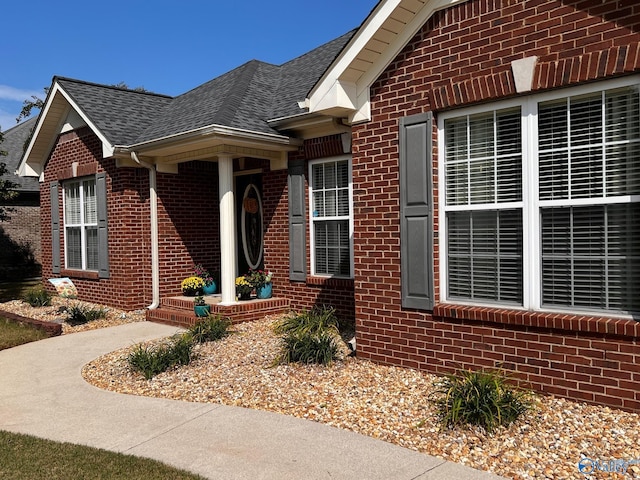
{"x":165,"y":47}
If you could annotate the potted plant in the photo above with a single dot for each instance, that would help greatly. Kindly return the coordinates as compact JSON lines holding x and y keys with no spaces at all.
{"x":261,"y":281}
{"x":192,"y":286}
{"x":210,"y":286}
{"x":243,"y":288}
{"x":200,"y":307}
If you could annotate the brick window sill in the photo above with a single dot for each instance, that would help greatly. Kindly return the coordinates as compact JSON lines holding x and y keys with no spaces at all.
{"x":557,"y":321}
{"x":82,"y":274}
{"x":330,"y":282}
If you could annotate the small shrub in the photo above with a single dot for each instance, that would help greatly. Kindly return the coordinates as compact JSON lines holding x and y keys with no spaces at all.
{"x":78,"y":315}
{"x":314,"y":322}
{"x":155,"y":359}
{"x":211,"y":328}
{"x":481,"y":398}
{"x":37,"y":297}
{"x":306,"y":348}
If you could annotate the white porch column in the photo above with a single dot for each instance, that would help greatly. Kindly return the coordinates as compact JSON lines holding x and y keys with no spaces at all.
{"x":227,"y":230}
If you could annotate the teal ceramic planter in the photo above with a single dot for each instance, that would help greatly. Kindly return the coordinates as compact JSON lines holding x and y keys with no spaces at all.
{"x":202,"y":310}
{"x":210,"y":289}
{"x":265,"y":291}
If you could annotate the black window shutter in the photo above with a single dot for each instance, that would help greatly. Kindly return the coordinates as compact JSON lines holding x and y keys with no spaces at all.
{"x":416,"y":211}
{"x":103,"y":246}
{"x":297,"y":222}
{"x":54,"y":188}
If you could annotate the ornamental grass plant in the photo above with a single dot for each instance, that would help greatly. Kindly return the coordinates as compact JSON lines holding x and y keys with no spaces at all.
{"x":38,"y":296}
{"x":150,"y":360}
{"x":210,"y":329}
{"x":309,"y":337}
{"x":482,"y":398}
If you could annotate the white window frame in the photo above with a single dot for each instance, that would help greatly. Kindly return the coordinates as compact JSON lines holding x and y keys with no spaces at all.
{"x":82,"y":225}
{"x":531,"y":204}
{"x":313,"y":219}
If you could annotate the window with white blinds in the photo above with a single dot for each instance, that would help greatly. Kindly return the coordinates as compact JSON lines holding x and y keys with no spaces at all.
{"x":331,"y":217}
{"x":589,"y":173}
{"x":81,"y":225}
{"x":541,"y":201}
{"x":483,"y":183}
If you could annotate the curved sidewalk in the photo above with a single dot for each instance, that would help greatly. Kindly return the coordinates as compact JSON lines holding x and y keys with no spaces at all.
{"x":42,"y":393}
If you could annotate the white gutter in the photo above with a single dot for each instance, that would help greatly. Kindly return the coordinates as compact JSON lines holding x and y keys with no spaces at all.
{"x":155,"y":257}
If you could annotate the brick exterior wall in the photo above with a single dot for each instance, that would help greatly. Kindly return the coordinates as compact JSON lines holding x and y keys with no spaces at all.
{"x":129,"y":285}
{"x":460,"y":57}
{"x":315,"y":290}
{"x":20,"y":253}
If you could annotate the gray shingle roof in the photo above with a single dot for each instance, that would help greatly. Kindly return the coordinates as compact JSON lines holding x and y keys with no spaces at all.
{"x":13,"y":144}
{"x":299,"y":76}
{"x":244,"y":98}
{"x":120,"y":114}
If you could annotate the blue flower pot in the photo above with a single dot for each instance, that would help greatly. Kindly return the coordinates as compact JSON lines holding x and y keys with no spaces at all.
{"x":210,"y":289}
{"x":265,"y":291}
{"x":202,"y":310}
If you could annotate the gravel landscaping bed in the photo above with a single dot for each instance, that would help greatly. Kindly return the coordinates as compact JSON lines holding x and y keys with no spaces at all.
{"x":389,"y":403}
{"x":57,"y":313}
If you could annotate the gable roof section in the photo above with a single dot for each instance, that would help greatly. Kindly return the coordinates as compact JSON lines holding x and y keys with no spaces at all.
{"x":13,"y":144}
{"x":235,"y":99}
{"x":114,"y":114}
{"x":120,"y":115}
{"x":236,"y":105}
{"x":344,"y":89}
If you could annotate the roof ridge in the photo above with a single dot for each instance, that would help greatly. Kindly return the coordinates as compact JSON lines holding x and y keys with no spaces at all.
{"x":110,"y":87}
{"x":229,"y":106}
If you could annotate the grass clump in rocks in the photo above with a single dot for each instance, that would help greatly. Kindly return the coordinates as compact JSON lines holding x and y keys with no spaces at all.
{"x":37,"y":297}
{"x":482,"y":398}
{"x":309,"y":337}
{"x":150,"y":360}
{"x":210,"y":329}
{"x":79,"y":315}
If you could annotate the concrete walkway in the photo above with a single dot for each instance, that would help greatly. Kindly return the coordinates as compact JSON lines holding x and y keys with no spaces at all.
{"x":42,"y":393}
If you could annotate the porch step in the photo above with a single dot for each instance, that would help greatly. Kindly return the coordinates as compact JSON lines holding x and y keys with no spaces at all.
{"x":178,"y":311}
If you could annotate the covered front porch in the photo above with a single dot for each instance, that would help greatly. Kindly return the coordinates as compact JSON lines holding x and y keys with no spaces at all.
{"x":239,"y":232}
{"x":178,"y":311}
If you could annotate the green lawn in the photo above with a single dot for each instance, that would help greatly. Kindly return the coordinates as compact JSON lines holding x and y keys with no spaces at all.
{"x":24,"y":457}
{"x":13,"y":334}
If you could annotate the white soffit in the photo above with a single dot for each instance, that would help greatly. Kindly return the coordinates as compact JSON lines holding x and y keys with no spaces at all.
{"x":344,"y":88}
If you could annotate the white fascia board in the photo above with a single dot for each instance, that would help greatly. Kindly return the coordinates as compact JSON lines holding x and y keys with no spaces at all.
{"x":36,"y":168}
{"x":33,"y":167}
{"x":321,"y":95}
{"x":329,"y":80}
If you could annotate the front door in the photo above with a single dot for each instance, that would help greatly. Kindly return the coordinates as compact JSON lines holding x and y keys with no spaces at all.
{"x":250,"y":226}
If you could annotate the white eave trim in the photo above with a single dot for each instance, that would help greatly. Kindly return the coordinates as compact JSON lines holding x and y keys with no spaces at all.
{"x":213,"y":130}
{"x":34,"y":167}
{"x":345,"y":89}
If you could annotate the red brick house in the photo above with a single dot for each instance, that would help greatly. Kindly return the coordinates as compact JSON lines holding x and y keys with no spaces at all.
{"x":460,"y":177}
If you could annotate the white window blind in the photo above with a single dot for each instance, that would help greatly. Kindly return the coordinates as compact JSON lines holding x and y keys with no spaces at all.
{"x":81,"y":225}
{"x":588,"y":147}
{"x":483,"y":173}
{"x":331,"y":218}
